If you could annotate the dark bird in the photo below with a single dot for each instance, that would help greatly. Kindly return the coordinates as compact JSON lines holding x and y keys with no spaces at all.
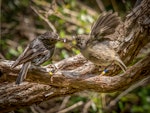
{"x":95,"y":47}
{"x":37,"y":52}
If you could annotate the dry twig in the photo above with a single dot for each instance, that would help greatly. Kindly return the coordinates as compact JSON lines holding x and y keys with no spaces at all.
{"x":71,"y":107}
{"x":101,"y":5}
{"x":45,"y":19}
{"x":65,"y":101}
{"x":86,"y":107}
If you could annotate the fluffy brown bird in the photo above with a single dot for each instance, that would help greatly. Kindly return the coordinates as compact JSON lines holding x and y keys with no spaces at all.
{"x":95,"y":47}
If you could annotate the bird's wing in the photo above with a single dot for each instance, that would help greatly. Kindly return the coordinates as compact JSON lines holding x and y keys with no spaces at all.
{"x":29,"y":53}
{"x":17,"y":62}
{"x":47,"y":54}
{"x":94,"y":52}
{"x":105,"y":24}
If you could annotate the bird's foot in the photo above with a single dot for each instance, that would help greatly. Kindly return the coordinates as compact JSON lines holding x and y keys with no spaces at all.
{"x":103,"y":72}
{"x":51,"y":69}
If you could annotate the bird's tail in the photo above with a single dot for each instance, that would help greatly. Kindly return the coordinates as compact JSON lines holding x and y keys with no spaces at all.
{"x":121,"y":64}
{"x":23,"y":72}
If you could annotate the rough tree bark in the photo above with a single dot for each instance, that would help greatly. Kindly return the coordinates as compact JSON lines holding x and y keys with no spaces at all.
{"x":131,"y":35}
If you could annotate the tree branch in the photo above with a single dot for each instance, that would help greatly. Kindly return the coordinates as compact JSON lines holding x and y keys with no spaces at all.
{"x":29,"y":92}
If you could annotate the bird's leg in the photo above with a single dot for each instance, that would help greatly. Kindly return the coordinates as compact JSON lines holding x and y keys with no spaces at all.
{"x":105,"y":70}
{"x":51,"y":69}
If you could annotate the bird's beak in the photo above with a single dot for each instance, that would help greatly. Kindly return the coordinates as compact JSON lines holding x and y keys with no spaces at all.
{"x":74,"y":37}
{"x":62,"y":39}
{"x":67,"y":40}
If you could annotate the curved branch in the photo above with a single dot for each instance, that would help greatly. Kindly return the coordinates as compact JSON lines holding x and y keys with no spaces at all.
{"x":87,"y":81}
{"x":29,"y":93}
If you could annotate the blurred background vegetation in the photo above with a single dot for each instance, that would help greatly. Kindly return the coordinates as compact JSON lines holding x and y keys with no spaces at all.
{"x":21,"y":24}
